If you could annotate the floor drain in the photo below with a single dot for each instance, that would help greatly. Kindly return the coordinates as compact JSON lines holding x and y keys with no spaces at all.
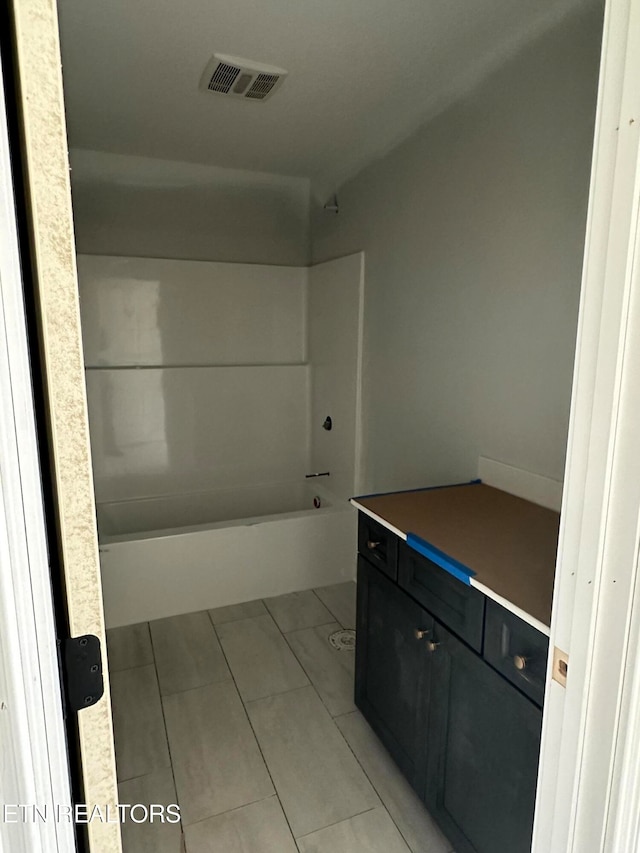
{"x":342,"y":640}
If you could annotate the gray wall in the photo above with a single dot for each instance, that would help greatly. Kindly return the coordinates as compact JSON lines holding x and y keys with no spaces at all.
{"x":141,"y":207}
{"x":473,"y":231}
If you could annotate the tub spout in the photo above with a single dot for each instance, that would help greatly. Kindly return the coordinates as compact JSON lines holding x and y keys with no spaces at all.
{"x":319,"y":474}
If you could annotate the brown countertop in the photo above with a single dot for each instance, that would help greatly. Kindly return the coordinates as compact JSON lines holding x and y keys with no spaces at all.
{"x":509,"y":543}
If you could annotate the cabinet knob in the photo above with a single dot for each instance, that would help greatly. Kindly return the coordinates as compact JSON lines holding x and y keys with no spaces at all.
{"x":432,"y":646}
{"x":520,"y":662}
{"x":420,"y":634}
{"x":371,"y":545}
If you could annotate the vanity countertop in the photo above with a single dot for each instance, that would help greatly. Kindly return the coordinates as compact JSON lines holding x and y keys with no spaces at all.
{"x":507,"y":544}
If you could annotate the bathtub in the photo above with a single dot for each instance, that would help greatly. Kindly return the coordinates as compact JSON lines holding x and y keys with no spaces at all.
{"x":168,"y":555}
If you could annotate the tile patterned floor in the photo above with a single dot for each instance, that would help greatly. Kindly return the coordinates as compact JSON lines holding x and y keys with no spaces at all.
{"x":244,"y":716}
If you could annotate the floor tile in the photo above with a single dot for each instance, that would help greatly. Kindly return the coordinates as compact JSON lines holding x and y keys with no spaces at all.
{"x":330,"y":670}
{"x":258,"y":828}
{"x":260,"y":659}
{"x":129,"y":646}
{"x":233,"y":612}
{"x":406,"y":809}
{"x":216,"y":760}
{"x":152,"y":836}
{"x":371,"y":832}
{"x":318,"y":780}
{"x":187,"y":653}
{"x":340,"y":599}
{"x":298,"y":610}
{"x":138,"y":725}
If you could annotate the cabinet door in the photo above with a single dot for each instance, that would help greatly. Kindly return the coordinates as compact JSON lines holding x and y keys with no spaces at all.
{"x":484,"y":741}
{"x":392,"y":669}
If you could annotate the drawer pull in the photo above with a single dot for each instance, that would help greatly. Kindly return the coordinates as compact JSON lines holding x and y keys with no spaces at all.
{"x":432,"y":646}
{"x":520,"y":662}
{"x":421,"y":634}
{"x":371,"y":545}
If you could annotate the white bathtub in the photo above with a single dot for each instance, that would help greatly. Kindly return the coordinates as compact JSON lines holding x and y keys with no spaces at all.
{"x":170,"y":514}
{"x":177,"y":554}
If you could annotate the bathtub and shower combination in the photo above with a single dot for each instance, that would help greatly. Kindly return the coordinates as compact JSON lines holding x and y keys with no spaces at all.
{"x":201,"y":440}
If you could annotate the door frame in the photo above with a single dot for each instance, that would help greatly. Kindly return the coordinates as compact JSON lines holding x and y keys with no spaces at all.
{"x":35,"y":770}
{"x":586,"y":780}
{"x":44,"y":170}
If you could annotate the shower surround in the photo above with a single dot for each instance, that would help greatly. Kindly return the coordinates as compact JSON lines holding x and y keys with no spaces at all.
{"x":207,"y":386}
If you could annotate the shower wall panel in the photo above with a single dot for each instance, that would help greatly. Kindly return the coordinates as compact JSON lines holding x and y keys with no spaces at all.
{"x":163,"y":431}
{"x":196,"y":374}
{"x":335,"y":324}
{"x":154,"y":312}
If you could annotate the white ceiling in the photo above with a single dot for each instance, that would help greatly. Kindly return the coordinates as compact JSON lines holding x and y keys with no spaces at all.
{"x":363,"y":75}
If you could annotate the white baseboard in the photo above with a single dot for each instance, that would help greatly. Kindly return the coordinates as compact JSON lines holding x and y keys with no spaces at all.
{"x":524,"y":484}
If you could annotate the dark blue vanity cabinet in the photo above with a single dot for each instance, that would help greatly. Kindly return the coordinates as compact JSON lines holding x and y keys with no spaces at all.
{"x":452,"y":684}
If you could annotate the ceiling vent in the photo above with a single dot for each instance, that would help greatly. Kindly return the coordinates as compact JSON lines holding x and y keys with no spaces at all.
{"x":241,"y":78}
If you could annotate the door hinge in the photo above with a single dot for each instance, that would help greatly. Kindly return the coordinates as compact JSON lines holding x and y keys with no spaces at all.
{"x":82,"y":681}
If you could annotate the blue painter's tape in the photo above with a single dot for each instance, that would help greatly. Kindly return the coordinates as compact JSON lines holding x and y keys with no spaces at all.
{"x":425,"y":489}
{"x":455,"y":568}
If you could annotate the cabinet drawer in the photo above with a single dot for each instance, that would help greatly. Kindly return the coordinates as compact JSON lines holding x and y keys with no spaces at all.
{"x":517,"y":650}
{"x":456,"y":605}
{"x":378,"y":545}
